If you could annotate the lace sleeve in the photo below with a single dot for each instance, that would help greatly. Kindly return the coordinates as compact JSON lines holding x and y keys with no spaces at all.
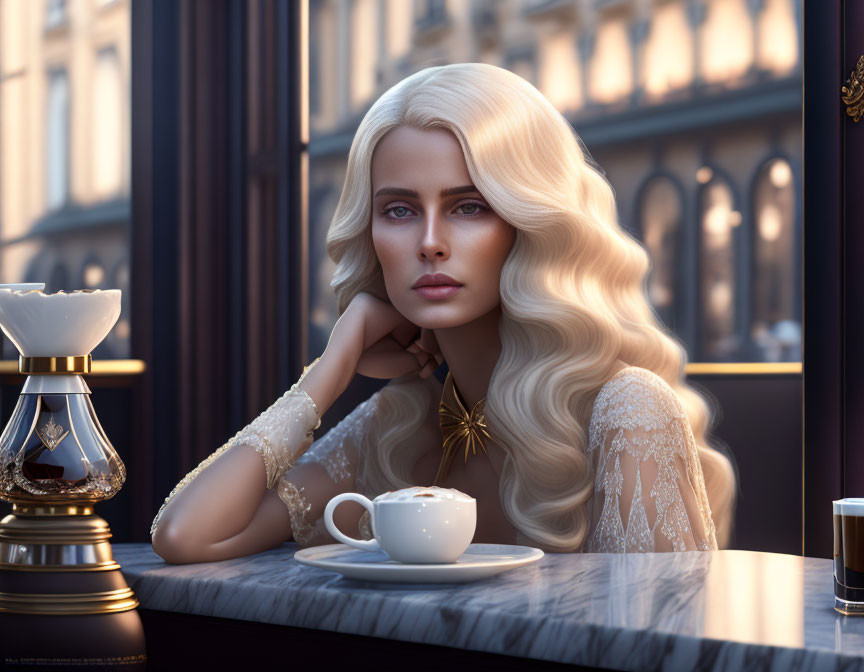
{"x":647,"y":471}
{"x":279,"y":435}
{"x":328,"y":468}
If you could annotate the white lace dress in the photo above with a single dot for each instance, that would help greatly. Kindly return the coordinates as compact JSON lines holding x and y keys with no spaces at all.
{"x":649,"y":492}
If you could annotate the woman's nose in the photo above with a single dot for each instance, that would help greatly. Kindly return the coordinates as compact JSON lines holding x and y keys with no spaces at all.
{"x":433,"y":243}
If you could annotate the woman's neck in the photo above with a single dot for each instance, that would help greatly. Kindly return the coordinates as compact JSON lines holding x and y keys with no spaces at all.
{"x":471,"y":351}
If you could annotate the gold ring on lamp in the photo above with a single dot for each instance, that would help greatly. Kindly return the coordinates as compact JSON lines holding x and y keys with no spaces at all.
{"x":55,"y":365}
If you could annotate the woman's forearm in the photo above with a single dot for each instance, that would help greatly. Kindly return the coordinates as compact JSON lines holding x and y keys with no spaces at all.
{"x":218,"y":513}
{"x":328,"y":378}
{"x":217,"y":504}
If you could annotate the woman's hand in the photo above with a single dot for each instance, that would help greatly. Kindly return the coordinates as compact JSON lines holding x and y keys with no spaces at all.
{"x":373,"y":338}
{"x":386,"y":344}
{"x":428,"y":344}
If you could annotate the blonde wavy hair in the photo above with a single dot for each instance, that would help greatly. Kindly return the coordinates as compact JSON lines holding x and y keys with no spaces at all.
{"x":572,"y":298}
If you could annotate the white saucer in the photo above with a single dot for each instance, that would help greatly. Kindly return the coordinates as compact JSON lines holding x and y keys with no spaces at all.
{"x":479,"y":561}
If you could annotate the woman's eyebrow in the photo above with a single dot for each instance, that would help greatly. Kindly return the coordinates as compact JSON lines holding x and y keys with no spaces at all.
{"x":452,"y":191}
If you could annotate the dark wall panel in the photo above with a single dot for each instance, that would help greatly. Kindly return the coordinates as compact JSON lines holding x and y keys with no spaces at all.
{"x":760,"y":423}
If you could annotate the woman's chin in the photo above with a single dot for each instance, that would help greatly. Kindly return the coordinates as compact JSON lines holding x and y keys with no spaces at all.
{"x":440,"y":317}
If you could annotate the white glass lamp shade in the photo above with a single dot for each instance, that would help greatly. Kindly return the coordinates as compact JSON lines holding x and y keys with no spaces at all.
{"x":58,"y":325}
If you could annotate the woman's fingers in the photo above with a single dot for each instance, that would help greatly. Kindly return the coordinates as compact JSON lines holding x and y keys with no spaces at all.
{"x":405,"y":333}
{"x":387,"y":364}
{"x":429,"y":343}
{"x":388,"y":359}
{"x":428,"y":369}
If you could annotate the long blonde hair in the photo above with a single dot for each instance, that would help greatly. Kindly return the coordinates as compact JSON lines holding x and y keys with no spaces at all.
{"x":572,"y":297}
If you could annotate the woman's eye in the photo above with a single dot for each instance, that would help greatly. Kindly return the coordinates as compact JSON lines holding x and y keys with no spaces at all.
{"x":470,"y":209}
{"x":398,"y":211}
{"x":403,"y":212}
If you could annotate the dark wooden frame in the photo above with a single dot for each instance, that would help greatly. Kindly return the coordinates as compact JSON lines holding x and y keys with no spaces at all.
{"x":833,"y":274}
{"x":154,"y":246}
{"x":219,"y":236}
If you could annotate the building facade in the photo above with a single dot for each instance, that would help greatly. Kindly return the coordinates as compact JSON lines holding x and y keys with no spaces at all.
{"x":65,"y":150}
{"x":692,"y":109}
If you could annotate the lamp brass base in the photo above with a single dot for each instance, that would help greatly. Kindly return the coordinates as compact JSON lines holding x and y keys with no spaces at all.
{"x":63,"y":599}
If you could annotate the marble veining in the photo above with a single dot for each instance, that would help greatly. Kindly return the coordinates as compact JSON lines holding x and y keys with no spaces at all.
{"x":711,"y":610}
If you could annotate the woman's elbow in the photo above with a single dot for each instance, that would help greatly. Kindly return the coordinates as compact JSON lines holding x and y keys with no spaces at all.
{"x":174,"y":546}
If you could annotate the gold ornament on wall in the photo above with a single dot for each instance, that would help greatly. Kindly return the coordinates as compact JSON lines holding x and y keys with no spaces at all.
{"x":853,"y":91}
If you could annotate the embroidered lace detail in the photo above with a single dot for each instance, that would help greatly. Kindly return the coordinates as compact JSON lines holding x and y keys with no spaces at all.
{"x":640,"y":434}
{"x":298,"y":509}
{"x":336,"y":450}
{"x":647,"y":471}
{"x":339,"y":452}
{"x":280,"y":434}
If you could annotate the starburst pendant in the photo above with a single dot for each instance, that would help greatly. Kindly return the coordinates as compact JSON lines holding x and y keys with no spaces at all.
{"x":459,"y":428}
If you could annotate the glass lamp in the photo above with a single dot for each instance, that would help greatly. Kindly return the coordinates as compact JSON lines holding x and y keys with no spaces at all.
{"x":57,"y":571}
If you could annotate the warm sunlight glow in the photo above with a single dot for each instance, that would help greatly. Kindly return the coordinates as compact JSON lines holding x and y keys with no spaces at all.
{"x":727,"y":41}
{"x":560,"y":76}
{"x":770,"y":222}
{"x":94,"y":274}
{"x":399,"y":18}
{"x":667,"y":62}
{"x":719,"y":217}
{"x":717,"y":224}
{"x":781,"y":174}
{"x":611,"y":69}
{"x":364,"y":41}
{"x":704,"y":175}
{"x":12,"y":44}
{"x":778,"y":37}
{"x":720,"y":298}
{"x":755,"y":598}
{"x":14,"y":164}
{"x":329,"y":92}
{"x":107,"y":127}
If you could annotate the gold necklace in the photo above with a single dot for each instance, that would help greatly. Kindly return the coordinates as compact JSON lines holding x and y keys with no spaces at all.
{"x":459,"y":427}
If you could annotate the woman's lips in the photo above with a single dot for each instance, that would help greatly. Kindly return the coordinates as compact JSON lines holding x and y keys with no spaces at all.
{"x":437,"y":291}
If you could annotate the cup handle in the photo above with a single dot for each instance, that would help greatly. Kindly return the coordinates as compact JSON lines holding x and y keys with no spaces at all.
{"x":366,"y":545}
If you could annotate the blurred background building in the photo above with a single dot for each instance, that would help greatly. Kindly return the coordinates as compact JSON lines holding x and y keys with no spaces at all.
{"x":65,"y":150}
{"x":691,"y":107}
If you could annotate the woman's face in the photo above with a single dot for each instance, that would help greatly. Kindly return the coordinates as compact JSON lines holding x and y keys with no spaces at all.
{"x":427,"y":219}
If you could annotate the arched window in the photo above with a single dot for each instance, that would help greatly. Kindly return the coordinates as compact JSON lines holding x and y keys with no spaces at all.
{"x":718,"y":221}
{"x":57,"y":141}
{"x":775,"y":328}
{"x":108,"y":136}
{"x":660,"y":215}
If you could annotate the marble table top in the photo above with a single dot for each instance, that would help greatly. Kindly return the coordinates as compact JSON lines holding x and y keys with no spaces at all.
{"x":722,"y":610}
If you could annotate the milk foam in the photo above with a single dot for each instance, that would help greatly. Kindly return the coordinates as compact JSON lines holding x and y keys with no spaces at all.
{"x":424,"y":494}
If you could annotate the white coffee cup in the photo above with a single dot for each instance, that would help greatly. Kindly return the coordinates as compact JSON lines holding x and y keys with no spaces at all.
{"x":413,"y":525}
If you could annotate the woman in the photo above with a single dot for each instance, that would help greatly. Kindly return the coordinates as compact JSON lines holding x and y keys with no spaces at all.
{"x":472,"y":230}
